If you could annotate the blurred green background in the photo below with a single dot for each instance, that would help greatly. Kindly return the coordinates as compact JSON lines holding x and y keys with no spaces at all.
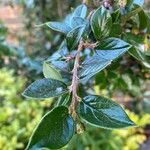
{"x":23,"y":47}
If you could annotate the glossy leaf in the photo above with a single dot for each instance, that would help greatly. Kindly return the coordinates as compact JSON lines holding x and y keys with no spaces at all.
{"x":106,"y":52}
{"x":78,"y":21}
{"x":112,"y":48}
{"x":92,"y":66}
{"x":80,"y":11}
{"x":64,"y":100}
{"x":137,"y":49}
{"x":45,"y":88}
{"x":59,"y":26}
{"x":104,"y":113}
{"x":101,"y":22}
{"x":54,"y":130}
{"x":50,"y":72}
{"x":74,"y":36}
{"x":140,"y":56}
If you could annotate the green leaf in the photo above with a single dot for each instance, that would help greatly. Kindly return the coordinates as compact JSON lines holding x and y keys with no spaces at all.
{"x":139,"y":39}
{"x":148,"y":24}
{"x":54,"y":131}
{"x":101,"y":22}
{"x":66,"y":26}
{"x":106,"y":52}
{"x":140,"y":56}
{"x":92,"y":66}
{"x":80,"y":11}
{"x":64,"y":100}
{"x":6,"y":50}
{"x":45,"y":88}
{"x":74,"y":36}
{"x":116,"y":30}
{"x":143,"y":20}
{"x":137,"y":49}
{"x":59,"y":26}
{"x":50,"y":72}
{"x":104,"y":113}
{"x":112,"y":48}
{"x":135,"y":10}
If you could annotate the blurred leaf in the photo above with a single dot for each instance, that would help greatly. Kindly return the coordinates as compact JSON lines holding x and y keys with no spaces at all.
{"x":6,"y":50}
{"x":139,"y":2}
{"x":142,"y":20}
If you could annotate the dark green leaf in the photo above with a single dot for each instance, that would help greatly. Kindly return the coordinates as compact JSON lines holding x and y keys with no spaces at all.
{"x":54,"y":130}
{"x":140,"y":56}
{"x":102,"y":112}
{"x":113,"y":44}
{"x":101,"y":22}
{"x":64,"y":100}
{"x":116,"y":30}
{"x":137,"y":50}
{"x":74,"y":36}
{"x":92,"y":66}
{"x":6,"y":50}
{"x":59,"y":26}
{"x":106,"y":52}
{"x":139,"y":39}
{"x":45,"y":88}
{"x":50,"y":72}
{"x":142,"y":20}
{"x":148,"y":23}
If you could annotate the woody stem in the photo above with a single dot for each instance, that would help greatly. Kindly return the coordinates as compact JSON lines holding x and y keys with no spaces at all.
{"x":75,"y":81}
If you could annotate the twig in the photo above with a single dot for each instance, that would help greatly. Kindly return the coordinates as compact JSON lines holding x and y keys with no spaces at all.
{"x":75,"y":80}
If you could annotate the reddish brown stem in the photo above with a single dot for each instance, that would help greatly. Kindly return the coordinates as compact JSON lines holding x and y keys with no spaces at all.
{"x":75,"y":81}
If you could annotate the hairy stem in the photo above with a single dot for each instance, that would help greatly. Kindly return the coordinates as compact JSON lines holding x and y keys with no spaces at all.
{"x":75,"y":81}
